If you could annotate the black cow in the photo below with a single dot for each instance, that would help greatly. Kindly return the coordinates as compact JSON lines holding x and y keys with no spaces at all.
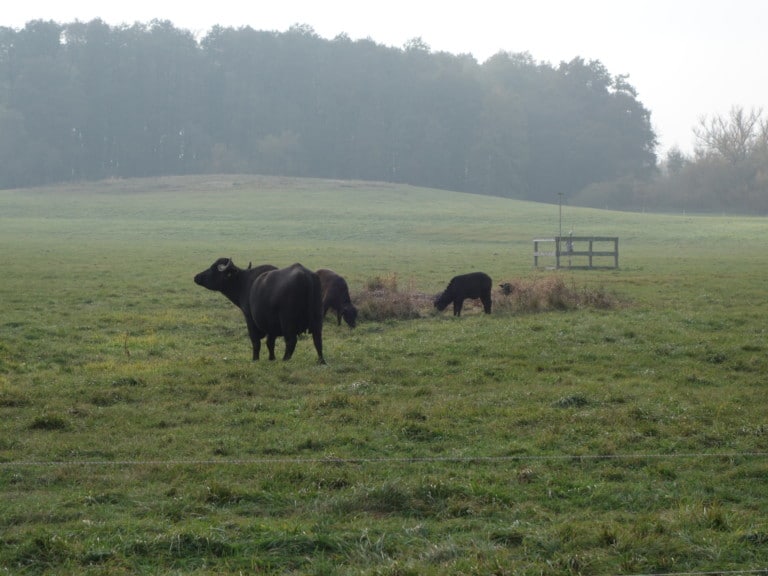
{"x":285,"y":302}
{"x":472,"y":285}
{"x":336,"y":295}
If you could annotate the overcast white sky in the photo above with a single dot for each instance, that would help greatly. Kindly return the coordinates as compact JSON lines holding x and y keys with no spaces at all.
{"x":686,"y":58}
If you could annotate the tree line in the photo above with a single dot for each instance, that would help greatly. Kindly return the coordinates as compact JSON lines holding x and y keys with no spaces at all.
{"x":727,"y":172}
{"x":86,"y":100}
{"x":89,"y":100}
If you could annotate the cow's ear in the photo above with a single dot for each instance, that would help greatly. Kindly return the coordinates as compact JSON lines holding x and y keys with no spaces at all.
{"x":228,"y":267}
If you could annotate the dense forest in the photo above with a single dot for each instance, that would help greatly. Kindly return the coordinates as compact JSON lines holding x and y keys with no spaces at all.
{"x":86,"y":100}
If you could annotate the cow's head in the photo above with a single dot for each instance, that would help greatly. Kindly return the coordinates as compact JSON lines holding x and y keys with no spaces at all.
{"x":349,"y":313}
{"x":442,"y":300}
{"x":218,"y":276}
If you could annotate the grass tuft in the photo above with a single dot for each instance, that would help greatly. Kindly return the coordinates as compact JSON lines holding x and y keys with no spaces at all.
{"x":49,"y":422}
{"x":574,"y":401}
{"x":13,"y":398}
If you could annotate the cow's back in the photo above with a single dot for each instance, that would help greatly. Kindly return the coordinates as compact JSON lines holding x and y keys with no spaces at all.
{"x":288,"y":298}
{"x":471,"y":285}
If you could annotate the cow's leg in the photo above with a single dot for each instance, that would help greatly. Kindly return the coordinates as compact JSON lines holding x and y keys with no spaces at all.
{"x":317,"y":338}
{"x":255,"y":336}
{"x":457,"y":304}
{"x":271,"y":345}
{"x":338,"y":317}
{"x":486,"y":303}
{"x":290,"y":345}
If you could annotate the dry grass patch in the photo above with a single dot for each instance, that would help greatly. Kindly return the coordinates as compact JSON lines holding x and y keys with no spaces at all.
{"x":382,"y":299}
{"x":551,"y":293}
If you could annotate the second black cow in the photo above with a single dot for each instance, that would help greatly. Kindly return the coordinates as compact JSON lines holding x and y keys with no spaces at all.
{"x":336,"y":295}
{"x":285,"y":302}
{"x":472,"y":285}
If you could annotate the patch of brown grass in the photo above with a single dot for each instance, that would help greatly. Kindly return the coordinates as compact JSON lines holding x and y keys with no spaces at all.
{"x":550,"y":293}
{"x":382,"y":299}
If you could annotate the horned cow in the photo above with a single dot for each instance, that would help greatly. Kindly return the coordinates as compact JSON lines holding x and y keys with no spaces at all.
{"x":275,"y":302}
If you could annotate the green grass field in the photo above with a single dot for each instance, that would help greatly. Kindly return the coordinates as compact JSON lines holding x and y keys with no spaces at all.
{"x":136,"y":437}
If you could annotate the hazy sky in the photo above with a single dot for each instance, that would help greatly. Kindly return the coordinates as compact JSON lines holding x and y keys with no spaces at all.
{"x":686,"y":58}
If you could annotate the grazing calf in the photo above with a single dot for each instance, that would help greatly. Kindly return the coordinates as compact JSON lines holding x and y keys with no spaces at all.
{"x":285,"y":302}
{"x":472,"y":285}
{"x":336,"y":295}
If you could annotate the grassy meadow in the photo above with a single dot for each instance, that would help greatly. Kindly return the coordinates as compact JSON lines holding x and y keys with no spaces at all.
{"x":136,"y":437}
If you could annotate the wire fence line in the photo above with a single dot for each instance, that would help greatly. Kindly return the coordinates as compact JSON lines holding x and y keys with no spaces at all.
{"x":574,"y":458}
{"x":714,"y":573}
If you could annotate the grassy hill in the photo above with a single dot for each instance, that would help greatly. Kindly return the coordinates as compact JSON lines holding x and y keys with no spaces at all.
{"x":137,"y":437}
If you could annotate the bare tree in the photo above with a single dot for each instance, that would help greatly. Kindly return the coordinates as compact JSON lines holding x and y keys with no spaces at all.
{"x":734,"y":137}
